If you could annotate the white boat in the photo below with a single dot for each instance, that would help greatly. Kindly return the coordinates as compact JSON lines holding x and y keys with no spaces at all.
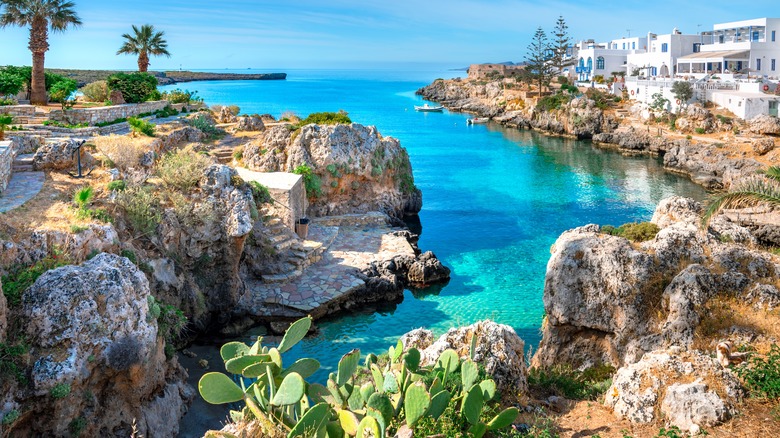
{"x":477,"y":120}
{"x":429,"y":109}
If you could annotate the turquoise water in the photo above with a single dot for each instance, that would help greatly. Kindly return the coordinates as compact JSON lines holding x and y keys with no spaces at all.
{"x":495,"y":200}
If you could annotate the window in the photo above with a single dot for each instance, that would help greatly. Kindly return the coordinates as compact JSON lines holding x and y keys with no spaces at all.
{"x":624,"y":46}
{"x":755,"y":35}
{"x":773,"y":35}
{"x":772,"y":65}
{"x":758,"y":64}
{"x":696,"y":47}
{"x":600,"y":63}
{"x":664,"y":48}
{"x":590,"y":64}
{"x":633,"y":45}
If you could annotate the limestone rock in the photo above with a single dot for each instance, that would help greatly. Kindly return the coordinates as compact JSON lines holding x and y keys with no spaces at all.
{"x":427,"y":269}
{"x":762,"y":146}
{"x":764,"y":296}
{"x":418,"y":338}
{"x":677,"y":209}
{"x":764,"y":124}
{"x":358,"y":169}
{"x":498,"y":349}
{"x":27,"y":144}
{"x":59,"y":156}
{"x":117,"y":98}
{"x":225,"y":116}
{"x":249,"y":123}
{"x":637,"y":390}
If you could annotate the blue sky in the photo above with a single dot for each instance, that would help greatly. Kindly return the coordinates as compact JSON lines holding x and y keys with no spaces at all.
{"x":354,"y":34}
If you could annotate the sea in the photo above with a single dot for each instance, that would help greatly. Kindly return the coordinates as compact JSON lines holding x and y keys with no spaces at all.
{"x":494,"y":201}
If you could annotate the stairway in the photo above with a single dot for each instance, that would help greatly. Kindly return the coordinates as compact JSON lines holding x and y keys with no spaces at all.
{"x":22,"y":163}
{"x":295,"y":254}
{"x":224,"y":154}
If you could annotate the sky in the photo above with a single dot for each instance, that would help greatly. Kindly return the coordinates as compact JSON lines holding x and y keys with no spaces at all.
{"x":217,"y":34}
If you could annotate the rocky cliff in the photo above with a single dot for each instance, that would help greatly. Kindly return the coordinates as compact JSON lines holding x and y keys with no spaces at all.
{"x":97,"y":363}
{"x":354,"y":168}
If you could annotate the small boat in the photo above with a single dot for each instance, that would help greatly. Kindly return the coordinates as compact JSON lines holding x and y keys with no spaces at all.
{"x":477,"y":120}
{"x":429,"y":109}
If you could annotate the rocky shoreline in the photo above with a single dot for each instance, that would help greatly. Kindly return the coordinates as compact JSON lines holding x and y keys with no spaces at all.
{"x":706,"y":162}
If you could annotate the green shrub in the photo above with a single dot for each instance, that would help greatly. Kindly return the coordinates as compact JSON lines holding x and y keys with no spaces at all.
{"x":260,"y":193}
{"x":60,"y":390}
{"x":638,"y":232}
{"x":4,"y":122}
{"x":83,"y":197}
{"x":575,"y":385}
{"x":75,"y":229}
{"x":10,"y":83}
{"x":76,"y":427}
{"x":141,"y":126}
{"x":553,"y":102}
{"x":182,"y":169}
{"x":700,"y":130}
{"x":168,"y":111}
{"x":12,"y":362}
{"x":19,"y":278}
{"x":117,"y":185}
{"x":135,"y":87}
{"x":97,"y":91}
{"x":325,"y":118}
{"x":112,"y":122}
{"x":62,"y":91}
{"x":672,"y":432}
{"x":762,"y":375}
{"x":181,"y":96}
{"x":11,"y":416}
{"x":142,"y":209}
{"x":204,"y":125}
{"x":130,"y":255}
{"x":311,"y":181}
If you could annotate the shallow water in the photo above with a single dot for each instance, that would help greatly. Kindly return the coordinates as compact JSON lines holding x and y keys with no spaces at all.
{"x":495,"y":200}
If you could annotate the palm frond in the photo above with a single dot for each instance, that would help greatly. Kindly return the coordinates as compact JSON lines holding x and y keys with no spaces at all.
{"x":772,"y":172}
{"x":750,"y":193}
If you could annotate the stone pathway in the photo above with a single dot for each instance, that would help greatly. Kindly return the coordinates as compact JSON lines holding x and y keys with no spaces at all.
{"x":22,"y":187}
{"x":335,"y":276}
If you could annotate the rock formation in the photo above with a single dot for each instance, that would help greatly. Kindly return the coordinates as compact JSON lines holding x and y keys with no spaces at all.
{"x":249,"y":123}
{"x":60,"y":155}
{"x":98,"y":361}
{"x":41,"y":243}
{"x":765,"y":124}
{"x":355,"y":169}
{"x":498,"y":349}
{"x":610,"y":301}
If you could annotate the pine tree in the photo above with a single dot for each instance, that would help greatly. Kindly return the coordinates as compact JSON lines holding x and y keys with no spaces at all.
{"x":538,"y":59}
{"x":561,"y":45}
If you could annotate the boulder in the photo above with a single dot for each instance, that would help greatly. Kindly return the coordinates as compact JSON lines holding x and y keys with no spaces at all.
{"x":226,"y":116}
{"x":764,"y":124}
{"x":762,"y":146}
{"x":498,"y":349}
{"x":27,"y":144}
{"x":91,"y":331}
{"x":427,"y":269}
{"x":60,"y":155}
{"x":249,"y":123}
{"x":672,"y":384}
{"x":677,"y":209}
{"x":117,"y":98}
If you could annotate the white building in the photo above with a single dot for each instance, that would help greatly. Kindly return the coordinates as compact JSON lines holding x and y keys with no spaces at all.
{"x":732,"y":48}
{"x":659,"y":57}
{"x":602,"y":59}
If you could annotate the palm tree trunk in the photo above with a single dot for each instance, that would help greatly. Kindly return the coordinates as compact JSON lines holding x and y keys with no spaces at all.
{"x":39,"y":44}
{"x":143,"y":62}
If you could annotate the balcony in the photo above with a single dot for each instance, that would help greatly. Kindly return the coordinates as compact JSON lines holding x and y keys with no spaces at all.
{"x":583,"y":69}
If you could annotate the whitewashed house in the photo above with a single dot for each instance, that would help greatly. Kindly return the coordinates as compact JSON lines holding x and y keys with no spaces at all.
{"x":602,"y":59}
{"x":659,"y":57}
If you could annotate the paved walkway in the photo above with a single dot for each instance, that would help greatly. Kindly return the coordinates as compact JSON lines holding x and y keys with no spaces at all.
{"x":22,"y":187}
{"x":332,"y":278}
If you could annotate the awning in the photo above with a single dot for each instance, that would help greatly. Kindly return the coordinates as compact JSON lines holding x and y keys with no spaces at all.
{"x":724,"y":55}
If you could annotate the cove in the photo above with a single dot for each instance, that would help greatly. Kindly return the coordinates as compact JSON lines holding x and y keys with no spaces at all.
{"x":494,"y":201}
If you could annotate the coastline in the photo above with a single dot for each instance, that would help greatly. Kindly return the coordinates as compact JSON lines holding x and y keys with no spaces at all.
{"x":169,"y":77}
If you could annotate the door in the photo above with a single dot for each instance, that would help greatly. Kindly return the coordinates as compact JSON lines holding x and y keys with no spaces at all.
{"x":773,"y":108}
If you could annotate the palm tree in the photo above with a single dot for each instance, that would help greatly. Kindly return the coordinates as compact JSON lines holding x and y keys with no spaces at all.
{"x":751,"y":192}
{"x":143,"y":43}
{"x":39,"y":15}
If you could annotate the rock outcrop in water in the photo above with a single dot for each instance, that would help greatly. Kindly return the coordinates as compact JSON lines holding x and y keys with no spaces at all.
{"x":100,"y":364}
{"x":356,"y":170}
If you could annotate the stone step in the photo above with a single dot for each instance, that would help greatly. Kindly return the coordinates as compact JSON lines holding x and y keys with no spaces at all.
{"x":285,"y":244}
{"x":23,"y":168}
{"x":273,"y":221}
{"x":277,"y":238}
{"x":282,"y":278}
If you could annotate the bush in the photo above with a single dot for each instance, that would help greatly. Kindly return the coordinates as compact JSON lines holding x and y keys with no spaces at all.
{"x":325,"y":118}
{"x":60,"y":390}
{"x":135,"y":87}
{"x":762,"y":375}
{"x":12,"y":364}
{"x":10,"y":416}
{"x":260,"y":193}
{"x":62,"y":90}
{"x":182,"y":169}
{"x":19,"y":278}
{"x":312,"y":182}
{"x":83,"y":197}
{"x":10,"y":83}
{"x":124,"y":152}
{"x":181,"y":96}
{"x":118,"y":185}
{"x":96,"y":91}
{"x":202,"y":123}
{"x":141,"y":126}
{"x":553,"y":102}
{"x":589,"y":384}
{"x":635,"y":232}
{"x":700,"y":130}
{"x":142,"y":209}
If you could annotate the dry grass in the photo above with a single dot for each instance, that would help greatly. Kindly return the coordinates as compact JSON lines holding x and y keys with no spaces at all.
{"x":123,"y":150}
{"x":722,"y":313}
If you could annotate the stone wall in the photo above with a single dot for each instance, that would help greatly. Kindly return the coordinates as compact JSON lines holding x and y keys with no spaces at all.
{"x":7,"y":154}
{"x":103,"y":114}
{"x":485,"y":71}
{"x":18,"y":110}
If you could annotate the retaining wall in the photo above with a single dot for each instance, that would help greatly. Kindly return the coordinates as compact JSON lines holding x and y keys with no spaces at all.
{"x":7,"y":155}
{"x":18,"y":110}
{"x":102,"y":114}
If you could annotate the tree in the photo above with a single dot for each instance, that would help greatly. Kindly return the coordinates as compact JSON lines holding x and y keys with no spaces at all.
{"x":10,"y":84}
{"x":561,"y":45}
{"x":62,"y":90}
{"x":538,"y":59}
{"x":39,"y":16}
{"x":144,"y":42}
{"x":750,"y":192}
{"x":683,"y":91}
